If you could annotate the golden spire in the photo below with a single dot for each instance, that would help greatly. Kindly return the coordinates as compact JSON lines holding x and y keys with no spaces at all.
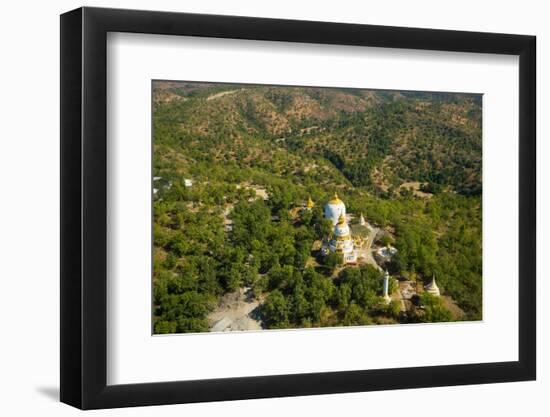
{"x":335,"y":199}
{"x":310,"y":203}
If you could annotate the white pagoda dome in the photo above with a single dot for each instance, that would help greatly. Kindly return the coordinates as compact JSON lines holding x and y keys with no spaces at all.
{"x":334,"y":209}
{"x":341,"y":230}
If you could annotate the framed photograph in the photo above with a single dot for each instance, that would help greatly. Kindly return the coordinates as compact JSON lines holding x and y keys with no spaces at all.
{"x":257,"y":208}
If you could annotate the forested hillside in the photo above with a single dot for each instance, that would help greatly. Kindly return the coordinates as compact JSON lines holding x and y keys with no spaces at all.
{"x":411,"y":162}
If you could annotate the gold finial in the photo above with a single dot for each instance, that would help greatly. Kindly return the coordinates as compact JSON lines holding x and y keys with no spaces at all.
{"x":335,"y":199}
{"x":310,"y":202}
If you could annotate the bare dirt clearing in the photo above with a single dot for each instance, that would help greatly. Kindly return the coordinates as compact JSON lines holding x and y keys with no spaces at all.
{"x":236,"y":311}
{"x":415,"y":188}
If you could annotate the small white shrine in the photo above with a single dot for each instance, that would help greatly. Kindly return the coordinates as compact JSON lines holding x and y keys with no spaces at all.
{"x":432,"y":288}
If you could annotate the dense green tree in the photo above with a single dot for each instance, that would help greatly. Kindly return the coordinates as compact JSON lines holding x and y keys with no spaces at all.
{"x":355,"y":316}
{"x":434,"y":311}
{"x":275,"y":310}
{"x":393,"y":309}
{"x":331,"y":261}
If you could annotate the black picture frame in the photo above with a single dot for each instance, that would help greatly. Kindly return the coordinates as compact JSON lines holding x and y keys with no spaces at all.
{"x":84,"y":207}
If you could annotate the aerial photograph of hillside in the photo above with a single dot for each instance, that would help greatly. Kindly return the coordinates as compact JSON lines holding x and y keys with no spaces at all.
{"x":290,"y":207}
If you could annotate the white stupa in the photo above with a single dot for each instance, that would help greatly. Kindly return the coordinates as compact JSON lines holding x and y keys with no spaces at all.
{"x":432,"y":288}
{"x":334,"y":209}
{"x":362,"y":221}
{"x":342,"y":242}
